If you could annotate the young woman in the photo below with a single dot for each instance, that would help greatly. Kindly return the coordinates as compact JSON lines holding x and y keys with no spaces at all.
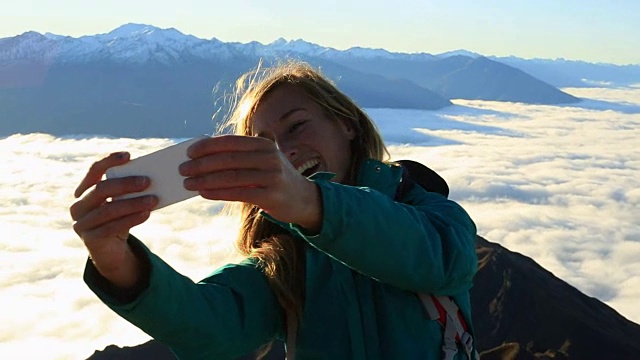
{"x":337,"y":260}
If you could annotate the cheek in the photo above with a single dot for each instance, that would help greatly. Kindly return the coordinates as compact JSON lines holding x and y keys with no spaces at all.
{"x":343,"y":156}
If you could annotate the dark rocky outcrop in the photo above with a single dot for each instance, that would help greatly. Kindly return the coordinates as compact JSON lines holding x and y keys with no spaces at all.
{"x":516,"y":301}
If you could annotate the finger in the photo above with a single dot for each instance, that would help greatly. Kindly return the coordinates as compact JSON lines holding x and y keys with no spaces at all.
{"x":251,"y":195}
{"x":119,"y":226}
{"x":230,"y":179}
{"x":261,"y":159}
{"x":113,"y":211}
{"x":94,"y":175}
{"x":108,"y":189}
{"x":227,"y":143}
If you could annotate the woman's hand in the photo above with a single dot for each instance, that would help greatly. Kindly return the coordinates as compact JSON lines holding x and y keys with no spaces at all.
{"x":253,"y":170}
{"x":104,"y":225}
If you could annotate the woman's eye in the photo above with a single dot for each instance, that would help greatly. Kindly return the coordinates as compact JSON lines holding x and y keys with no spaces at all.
{"x":296,"y":126}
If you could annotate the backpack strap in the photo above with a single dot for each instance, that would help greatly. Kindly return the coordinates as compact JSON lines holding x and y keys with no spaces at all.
{"x":455,"y":330}
{"x":416,"y":173}
{"x":440,"y":308}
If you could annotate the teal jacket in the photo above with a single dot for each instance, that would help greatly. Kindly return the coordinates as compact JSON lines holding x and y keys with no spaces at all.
{"x":362,"y":273}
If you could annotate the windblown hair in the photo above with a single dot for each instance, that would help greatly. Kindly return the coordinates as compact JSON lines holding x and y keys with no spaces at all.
{"x":280,"y":256}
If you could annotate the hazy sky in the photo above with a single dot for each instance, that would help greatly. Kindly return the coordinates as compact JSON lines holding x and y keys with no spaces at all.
{"x":556,"y":183}
{"x":591,"y":30}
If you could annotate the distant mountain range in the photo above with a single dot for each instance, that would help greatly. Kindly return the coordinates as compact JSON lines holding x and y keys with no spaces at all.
{"x":142,"y":81}
{"x":520,"y":312}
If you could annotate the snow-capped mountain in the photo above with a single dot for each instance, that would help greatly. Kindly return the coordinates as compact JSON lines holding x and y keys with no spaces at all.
{"x":142,"y":44}
{"x":139,"y":43}
{"x":459,"y":52}
{"x":140,"y":81}
{"x":131,"y":43}
{"x":146,"y":44}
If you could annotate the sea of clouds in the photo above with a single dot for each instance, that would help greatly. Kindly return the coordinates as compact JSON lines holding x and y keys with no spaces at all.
{"x":559,"y":184}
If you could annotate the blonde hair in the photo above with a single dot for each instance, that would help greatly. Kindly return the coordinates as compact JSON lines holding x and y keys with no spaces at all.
{"x":280,"y":256}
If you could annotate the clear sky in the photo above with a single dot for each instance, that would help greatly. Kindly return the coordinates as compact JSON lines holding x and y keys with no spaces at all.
{"x":591,"y":30}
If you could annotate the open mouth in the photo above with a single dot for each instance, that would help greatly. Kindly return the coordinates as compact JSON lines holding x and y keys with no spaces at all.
{"x":309,"y":168}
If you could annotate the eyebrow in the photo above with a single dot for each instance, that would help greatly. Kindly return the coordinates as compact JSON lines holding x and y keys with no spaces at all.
{"x":290,"y":112}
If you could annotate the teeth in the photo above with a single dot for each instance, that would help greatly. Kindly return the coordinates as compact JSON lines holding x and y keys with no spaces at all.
{"x":308,"y":165}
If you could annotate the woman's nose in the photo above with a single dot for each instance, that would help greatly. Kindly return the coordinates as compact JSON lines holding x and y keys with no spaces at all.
{"x":288,"y":149}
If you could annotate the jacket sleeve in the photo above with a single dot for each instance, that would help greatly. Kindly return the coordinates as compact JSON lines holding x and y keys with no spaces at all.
{"x":426,"y":243}
{"x":230,"y":313}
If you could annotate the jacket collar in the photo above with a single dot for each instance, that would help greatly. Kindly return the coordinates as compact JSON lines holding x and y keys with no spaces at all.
{"x":374,"y":174}
{"x":380,"y":176}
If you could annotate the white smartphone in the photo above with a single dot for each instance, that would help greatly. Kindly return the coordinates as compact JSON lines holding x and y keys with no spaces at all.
{"x":162,"y":169}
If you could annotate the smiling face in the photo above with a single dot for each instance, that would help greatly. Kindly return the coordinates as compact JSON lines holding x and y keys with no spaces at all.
{"x":311,"y":139}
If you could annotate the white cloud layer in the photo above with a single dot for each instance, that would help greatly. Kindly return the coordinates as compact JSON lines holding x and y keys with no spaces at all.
{"x":557,"y":183}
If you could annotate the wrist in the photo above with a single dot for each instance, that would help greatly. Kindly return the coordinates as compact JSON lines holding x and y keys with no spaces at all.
{"x":123,"y":272}
{"x":311,"y":219}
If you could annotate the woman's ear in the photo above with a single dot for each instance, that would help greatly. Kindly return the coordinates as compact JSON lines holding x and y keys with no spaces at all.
{"x":347,"y":128}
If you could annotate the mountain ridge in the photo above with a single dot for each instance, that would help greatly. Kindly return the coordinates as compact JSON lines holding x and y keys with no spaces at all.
{"x":129,"y":29}
{"x":53,"y":84}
